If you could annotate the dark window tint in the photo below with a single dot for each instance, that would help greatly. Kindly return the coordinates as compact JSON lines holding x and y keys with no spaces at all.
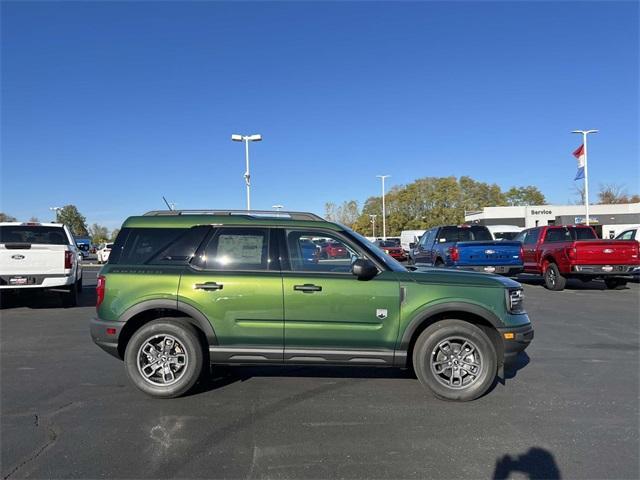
{"x":532,"y":236}
{"x":236,"y":249}
{"x":557,"y":235}
{"x":183,"y":249}
{"x":137,"y":246}
{"x":38,"y":235}
{"x":582,"y":233}
{"x":463,"y":234}
{"x":505,"y":235}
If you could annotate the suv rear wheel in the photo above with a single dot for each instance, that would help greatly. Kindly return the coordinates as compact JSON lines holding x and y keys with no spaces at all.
{"x":164,"y":359}
{"x":455,"y":360}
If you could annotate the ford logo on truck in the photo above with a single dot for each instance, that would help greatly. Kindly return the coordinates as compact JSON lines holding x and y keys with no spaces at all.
{"x":608,"y":250}
{"x":17,"y":257}
{"x":489,"y":252}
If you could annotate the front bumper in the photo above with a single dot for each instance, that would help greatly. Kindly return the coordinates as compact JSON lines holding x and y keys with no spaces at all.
{"x":499,"y":269}
{"x":605,"y":269}
{"x":105,"y":335}
{"x":521,"y":338}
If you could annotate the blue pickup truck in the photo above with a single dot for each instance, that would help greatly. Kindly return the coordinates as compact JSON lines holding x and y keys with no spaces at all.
{"x":467,"y":247}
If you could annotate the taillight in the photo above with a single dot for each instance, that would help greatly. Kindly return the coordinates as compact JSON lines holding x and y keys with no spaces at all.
{"x":521,"y":252}
{"x":68,"y":259}
{"x":572,"y":254}
{"x":100,"y":287}
{"x":454,"y":253}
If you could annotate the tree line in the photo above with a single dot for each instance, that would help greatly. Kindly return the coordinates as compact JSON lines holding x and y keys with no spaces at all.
{"x":433,"y":201}
{"x":70,"y":216}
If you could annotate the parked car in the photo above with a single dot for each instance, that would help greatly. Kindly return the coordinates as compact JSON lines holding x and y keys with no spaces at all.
{"x":409,"y":237}
{"x":40,"y":256}
{"x":392,"y":248}
{"x":103,"y":252}
{"x":504,"y":232}
{"x":467,"y":247}
{"x":574,"y":251}
{"x":333,"y":249}
{"x":235,"y":288}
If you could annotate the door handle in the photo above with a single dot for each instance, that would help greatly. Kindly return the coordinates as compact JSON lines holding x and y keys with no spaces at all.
{"x":307,"y":288}
{"x":208,"y":286}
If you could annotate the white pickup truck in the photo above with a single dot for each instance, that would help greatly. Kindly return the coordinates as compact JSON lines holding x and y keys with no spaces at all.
{"x":40,"y":256}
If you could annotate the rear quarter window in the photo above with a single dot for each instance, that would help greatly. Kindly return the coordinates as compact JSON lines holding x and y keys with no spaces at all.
{"x":157,"y":246}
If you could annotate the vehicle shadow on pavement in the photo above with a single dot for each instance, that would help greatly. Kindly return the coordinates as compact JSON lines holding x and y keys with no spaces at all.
{"x":221,"y":376}
{"x":537,"y":463}
{"x":50,"y":299}
{"x":572,"y":283}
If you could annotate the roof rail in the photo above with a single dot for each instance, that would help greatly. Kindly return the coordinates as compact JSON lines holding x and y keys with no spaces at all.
{"x":246,"y":213}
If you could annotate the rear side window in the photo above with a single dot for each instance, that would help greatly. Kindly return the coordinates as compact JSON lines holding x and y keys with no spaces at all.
{"x":557,"y":235}
{"x":157,"y":246}
{"x":38,"y":235}
{"x":236,"y":249}
{"x":582,"y":233}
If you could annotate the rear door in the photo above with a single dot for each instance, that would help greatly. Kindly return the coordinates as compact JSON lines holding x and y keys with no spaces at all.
{"x":235,"y":281}
{"x":330,"y":315}
{"x":529,"y":248}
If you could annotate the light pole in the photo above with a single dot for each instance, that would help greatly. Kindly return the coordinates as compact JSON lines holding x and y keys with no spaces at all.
{"x":56,"y":210}
{"x":584,"y":134}
{"x":373,"y":222}
{"x":384,"y":216}
{"x":247,"y":176}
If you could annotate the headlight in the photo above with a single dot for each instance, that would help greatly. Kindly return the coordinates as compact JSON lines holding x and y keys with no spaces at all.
{"x":386,"y":251}
{"x":515,"y":300}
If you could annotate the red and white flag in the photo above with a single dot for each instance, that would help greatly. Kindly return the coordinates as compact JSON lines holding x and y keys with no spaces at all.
{"x":579,"y":154}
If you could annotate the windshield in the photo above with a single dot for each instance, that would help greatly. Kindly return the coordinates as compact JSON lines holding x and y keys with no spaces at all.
{"x":38,"y":235}
{"x":505,"y":235}
{"x":380,"y":255}
{"x":388,"y":243}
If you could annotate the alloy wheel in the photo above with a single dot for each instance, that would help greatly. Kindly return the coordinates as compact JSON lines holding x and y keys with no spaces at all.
{"x":456,"y":362}
{"x":162,"y":360}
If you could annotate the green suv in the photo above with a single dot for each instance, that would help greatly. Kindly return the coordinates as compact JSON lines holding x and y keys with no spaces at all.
{"x":185,"y":289}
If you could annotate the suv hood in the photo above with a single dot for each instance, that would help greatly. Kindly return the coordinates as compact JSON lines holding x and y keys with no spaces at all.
{"x":457,"y":277}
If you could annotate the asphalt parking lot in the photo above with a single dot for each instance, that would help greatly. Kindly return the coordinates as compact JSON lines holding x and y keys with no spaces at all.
{"x":569,"y":409}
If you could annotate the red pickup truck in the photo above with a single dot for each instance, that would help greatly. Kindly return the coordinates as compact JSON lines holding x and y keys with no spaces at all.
{"x":562,"y":252}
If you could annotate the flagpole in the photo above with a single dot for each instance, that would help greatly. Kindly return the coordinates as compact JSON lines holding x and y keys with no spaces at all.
{"x":586,"y":178}
{"x":586,"y":171}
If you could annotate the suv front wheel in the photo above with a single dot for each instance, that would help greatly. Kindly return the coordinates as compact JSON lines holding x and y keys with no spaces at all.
{"x":455,"y":359}
{"x":164,"y":359}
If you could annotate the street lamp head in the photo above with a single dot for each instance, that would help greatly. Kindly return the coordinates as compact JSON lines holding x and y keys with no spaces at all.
{"x":584,"y":131}
{"x":236,"y":138}
{"x":255,"y":138}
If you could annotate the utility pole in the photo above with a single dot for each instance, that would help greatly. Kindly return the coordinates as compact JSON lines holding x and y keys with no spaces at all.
{"x":584,"y":134}
{"x":384,"y":213}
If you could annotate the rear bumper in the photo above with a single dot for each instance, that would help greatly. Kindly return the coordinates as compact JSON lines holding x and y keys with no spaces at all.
{"x":105,"y":334}
{"x":605,"y":269}
{"x":499,"y":269}
{"x":7,"y":282}
{"x":522,"y":337}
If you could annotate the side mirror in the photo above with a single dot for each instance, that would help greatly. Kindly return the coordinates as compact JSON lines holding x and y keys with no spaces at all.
{"x":364,"y":269}
{"x":412,"y":245}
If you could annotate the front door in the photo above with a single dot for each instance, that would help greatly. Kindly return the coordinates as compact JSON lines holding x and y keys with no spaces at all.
{"x":529,"y":248}
{"x":235,"y":281}
{"x":330,"y":315}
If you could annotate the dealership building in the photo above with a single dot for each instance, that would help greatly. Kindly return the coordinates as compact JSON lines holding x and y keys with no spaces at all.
{"x":608,"y":220}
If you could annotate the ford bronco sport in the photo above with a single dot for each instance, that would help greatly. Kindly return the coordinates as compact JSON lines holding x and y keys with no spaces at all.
{"x":184,"y":289}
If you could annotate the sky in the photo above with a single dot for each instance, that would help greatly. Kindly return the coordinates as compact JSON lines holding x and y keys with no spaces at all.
{"x":111,"y":105}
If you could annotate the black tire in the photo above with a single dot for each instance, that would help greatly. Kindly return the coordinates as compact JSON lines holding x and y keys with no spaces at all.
{"x":79,"y":285}
{"x":553,"y":280}
{"x":439,"y":263}
{"x":186,"y":344}
{"x":615,"y":283}
{"x":586,"y":279}
{"x":429,"y":349}
{"x":70,"y":297}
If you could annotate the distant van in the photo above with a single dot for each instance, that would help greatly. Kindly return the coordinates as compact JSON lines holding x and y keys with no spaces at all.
{"x":504,"y":232}
{"x":408,"y":237}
